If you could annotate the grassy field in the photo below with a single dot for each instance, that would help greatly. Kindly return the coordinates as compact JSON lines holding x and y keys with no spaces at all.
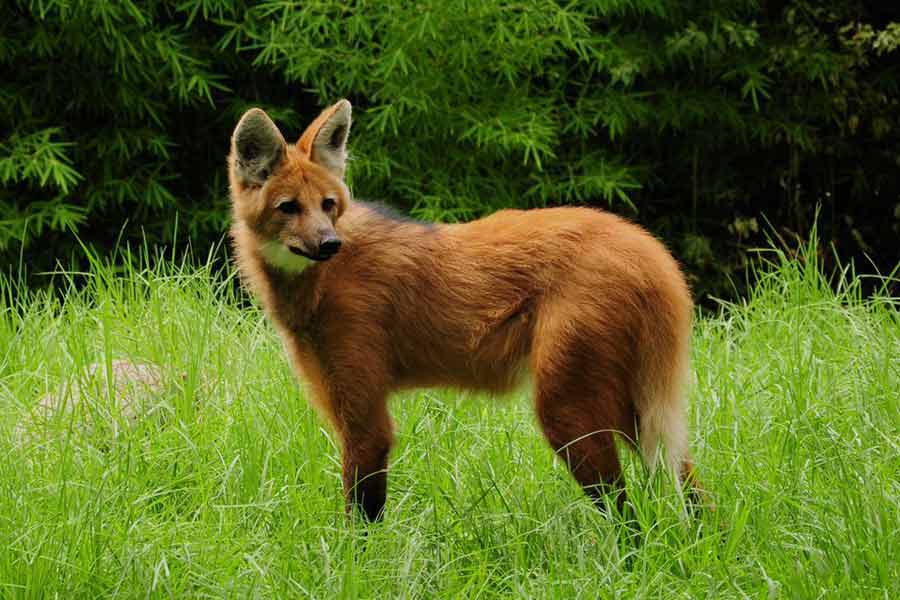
{"x":228,"y":485}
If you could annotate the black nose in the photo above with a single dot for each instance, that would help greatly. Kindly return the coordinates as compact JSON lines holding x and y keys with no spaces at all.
{"x":329,"y":246}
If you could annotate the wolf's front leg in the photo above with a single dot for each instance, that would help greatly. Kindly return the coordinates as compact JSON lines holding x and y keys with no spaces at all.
{"x":365,"y":474}
{"x":367,"y":438}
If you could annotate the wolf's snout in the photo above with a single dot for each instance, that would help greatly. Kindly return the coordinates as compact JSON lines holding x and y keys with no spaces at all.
{"x":329,"y":246}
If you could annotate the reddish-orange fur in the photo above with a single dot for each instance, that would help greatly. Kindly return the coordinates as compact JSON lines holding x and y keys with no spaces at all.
{"x":594,"y":307}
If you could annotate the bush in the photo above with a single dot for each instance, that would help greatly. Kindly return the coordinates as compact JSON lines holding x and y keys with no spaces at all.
{"x":694,"y":118}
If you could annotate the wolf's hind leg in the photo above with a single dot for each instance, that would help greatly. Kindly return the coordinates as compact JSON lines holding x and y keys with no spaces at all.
{"x":580,"y":426}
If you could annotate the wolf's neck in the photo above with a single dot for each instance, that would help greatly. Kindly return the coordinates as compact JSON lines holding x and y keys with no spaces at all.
{"x":290,"y":297}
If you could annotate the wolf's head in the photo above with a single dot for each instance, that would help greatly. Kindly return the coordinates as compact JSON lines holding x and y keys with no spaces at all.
{"x":291,"y":195}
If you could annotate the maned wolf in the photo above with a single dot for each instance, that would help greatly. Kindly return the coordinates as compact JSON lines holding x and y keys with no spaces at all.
{"x":593,"y":307}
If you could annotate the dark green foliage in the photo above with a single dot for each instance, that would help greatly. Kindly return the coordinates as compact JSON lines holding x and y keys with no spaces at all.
{"x":692,"y":117}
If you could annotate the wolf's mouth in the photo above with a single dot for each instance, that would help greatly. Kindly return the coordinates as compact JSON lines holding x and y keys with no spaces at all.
{"x":299,"y":252}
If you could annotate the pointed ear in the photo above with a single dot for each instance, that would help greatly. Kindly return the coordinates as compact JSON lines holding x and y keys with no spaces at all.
{"x":257,"y":147}
{"x":325,"y":140}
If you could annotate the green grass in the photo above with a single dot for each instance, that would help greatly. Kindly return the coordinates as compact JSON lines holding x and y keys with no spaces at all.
{"x":230,"y":486}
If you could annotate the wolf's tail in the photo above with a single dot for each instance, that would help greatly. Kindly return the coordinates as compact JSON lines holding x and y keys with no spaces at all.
{"x":661,"y":407}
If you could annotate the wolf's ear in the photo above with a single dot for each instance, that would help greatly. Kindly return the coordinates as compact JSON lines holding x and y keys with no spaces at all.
{"x":257,"y":146}
{"x":325,"y":140}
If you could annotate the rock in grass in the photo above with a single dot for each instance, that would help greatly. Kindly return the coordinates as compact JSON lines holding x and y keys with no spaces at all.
{"x":98,"y":400}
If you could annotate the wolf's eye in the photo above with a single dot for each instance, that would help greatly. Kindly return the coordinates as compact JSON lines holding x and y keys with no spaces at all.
{"x":288,"y":207}
{"x":328,"y":204}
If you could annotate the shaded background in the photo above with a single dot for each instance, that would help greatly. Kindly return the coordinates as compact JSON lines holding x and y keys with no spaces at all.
{"x":714,"y":123}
